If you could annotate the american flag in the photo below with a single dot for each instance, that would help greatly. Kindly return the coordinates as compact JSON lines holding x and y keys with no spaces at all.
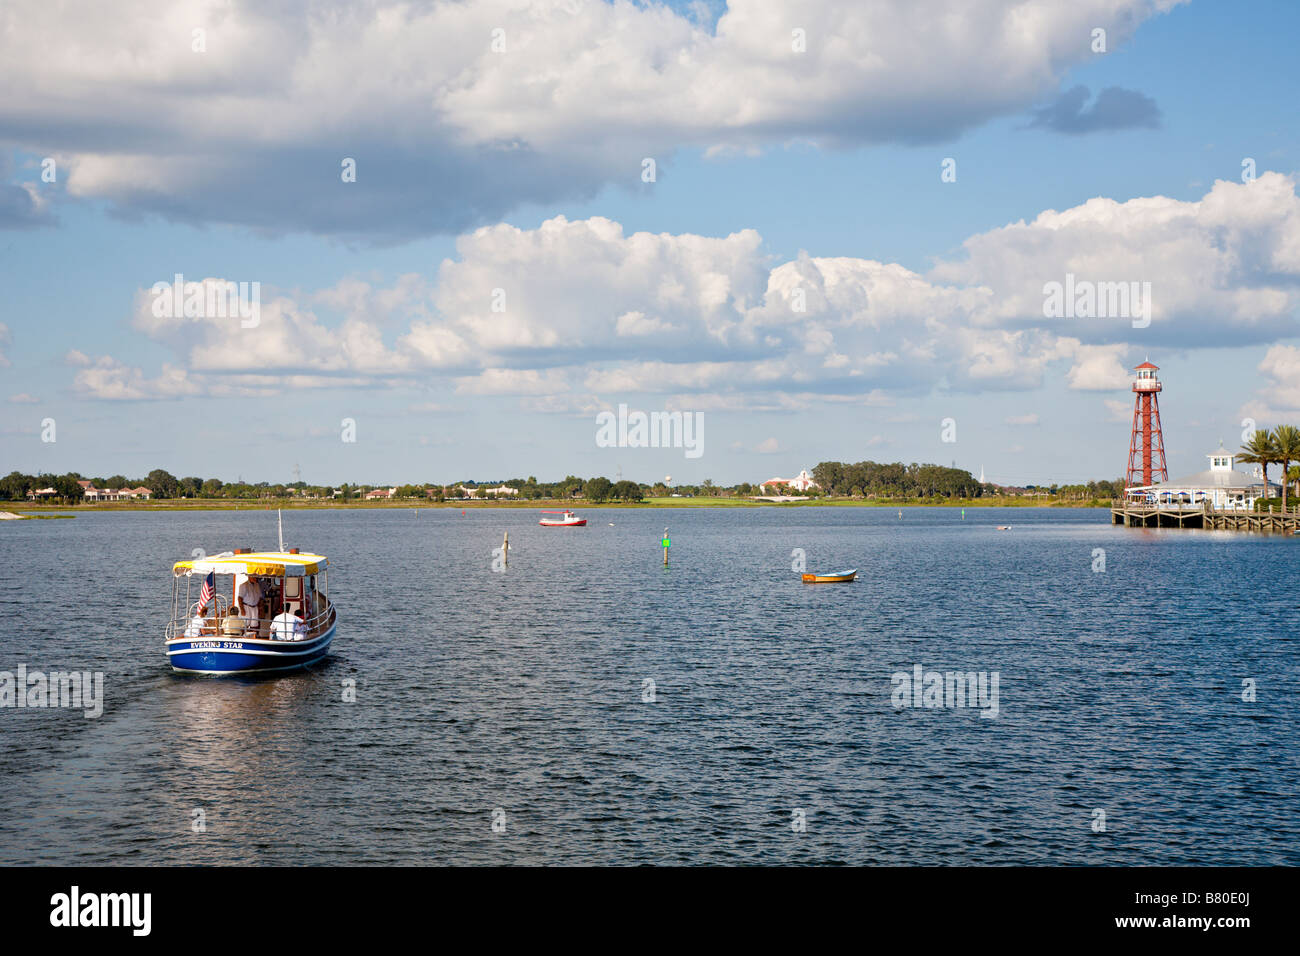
{"x":209,"y":588}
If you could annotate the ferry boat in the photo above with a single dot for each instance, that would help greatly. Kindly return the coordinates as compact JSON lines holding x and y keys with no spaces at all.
{"x":567,"y":519}
{"x":247,"y":612}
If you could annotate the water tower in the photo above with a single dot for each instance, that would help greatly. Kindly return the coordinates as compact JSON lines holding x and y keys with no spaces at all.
{"x":1146,"y":449}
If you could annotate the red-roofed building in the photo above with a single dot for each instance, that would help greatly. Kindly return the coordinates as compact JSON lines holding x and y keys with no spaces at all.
{"x":801,"y":482}
{"x":91,"y":493}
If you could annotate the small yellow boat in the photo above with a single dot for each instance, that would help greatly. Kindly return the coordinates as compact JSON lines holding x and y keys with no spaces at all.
{"x":836,"y":578}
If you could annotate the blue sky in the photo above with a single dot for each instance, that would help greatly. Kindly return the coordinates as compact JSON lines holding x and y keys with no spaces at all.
{"x":829,"y":167}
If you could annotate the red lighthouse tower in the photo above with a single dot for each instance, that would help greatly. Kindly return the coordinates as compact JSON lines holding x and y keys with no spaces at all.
{"x":1146,"y":449}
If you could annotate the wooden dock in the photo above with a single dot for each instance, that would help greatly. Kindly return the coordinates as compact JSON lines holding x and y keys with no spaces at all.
{"x":1203,"y":516}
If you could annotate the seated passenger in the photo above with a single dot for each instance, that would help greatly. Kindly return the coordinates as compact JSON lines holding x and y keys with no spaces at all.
{"x":195,"y":627}
{"x":287,"y":626}
{"x":233,"y":625}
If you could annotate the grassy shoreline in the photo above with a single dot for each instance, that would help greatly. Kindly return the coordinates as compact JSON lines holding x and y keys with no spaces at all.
{"x":31,"y":509}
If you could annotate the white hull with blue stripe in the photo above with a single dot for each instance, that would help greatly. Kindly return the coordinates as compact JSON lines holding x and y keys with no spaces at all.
{"x":215,"y":655}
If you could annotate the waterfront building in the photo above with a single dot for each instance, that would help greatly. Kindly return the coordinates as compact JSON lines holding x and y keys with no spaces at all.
{"x":91,"y":493}
{"x":800,"y":482}
{"x":1222,"y":486}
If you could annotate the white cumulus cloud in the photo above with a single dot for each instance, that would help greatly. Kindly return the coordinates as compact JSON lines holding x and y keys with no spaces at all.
{"x":585,"y":310}
{"x":456,"y":112}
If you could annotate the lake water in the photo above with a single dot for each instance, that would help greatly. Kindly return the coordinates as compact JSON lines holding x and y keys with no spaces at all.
{"x":772,"y":736}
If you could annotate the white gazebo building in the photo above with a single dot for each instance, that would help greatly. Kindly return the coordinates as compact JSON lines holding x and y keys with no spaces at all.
{"x":1222,"y":487}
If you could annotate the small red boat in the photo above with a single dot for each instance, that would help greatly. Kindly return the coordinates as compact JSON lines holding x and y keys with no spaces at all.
{"x":567,"y":519}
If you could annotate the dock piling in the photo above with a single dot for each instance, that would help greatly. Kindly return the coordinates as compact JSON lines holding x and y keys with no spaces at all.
{"x":1140,"y":515}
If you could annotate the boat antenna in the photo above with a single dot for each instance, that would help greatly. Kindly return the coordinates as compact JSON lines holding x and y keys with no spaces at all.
{"x":279,"y":520}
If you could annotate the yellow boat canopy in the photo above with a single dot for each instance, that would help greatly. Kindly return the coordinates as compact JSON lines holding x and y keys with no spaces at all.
{"x":261,"y":563}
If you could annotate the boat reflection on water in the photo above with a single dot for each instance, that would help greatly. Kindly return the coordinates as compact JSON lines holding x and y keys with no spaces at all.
{"x":246,"y":752}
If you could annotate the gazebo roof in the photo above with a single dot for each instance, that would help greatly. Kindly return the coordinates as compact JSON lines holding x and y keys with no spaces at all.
{"x":1225,"y":479}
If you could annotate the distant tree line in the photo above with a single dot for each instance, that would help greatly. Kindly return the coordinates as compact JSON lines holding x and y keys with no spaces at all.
{"x":868,"y":479}
{"x":15,"y":485}
{"x":1093,"y":489}
{"x":864,"y":479}
{"x":163,"y":485}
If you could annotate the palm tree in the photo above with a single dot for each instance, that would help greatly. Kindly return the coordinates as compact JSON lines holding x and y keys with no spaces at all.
{"x":1286,"y":443}
{"x":1260,"y":451}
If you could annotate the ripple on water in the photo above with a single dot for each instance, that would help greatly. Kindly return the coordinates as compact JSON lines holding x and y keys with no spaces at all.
{"x":767,"y":734}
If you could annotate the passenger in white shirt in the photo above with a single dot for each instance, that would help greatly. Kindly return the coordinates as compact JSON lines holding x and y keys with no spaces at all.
{"x":195,"y":627}
{"x":287,"y":626}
